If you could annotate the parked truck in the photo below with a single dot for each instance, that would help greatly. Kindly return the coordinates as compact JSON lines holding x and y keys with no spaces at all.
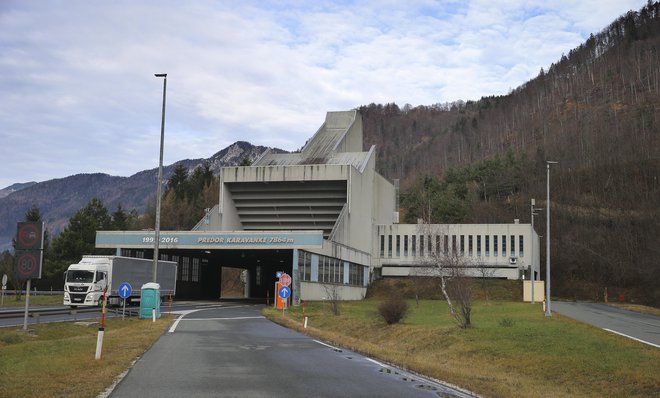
{"x":85,"y":281}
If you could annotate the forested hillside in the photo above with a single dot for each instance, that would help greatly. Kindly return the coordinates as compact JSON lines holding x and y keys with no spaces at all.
{"x":597,"y":112}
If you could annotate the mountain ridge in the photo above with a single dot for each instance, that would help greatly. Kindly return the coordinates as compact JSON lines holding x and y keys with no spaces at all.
{"x":60,"y":198}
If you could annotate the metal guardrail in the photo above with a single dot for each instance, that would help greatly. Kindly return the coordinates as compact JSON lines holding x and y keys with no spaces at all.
{"x":17,"y":313}
{"x":35,"y":292}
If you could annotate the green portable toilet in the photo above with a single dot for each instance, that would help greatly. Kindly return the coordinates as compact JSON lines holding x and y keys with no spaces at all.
{"x":149,"y":300}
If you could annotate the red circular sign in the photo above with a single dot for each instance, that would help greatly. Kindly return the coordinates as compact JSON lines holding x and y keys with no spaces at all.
{"x":285,"y":280}
{"x":26,"y":265}
{"x":29,"y":236}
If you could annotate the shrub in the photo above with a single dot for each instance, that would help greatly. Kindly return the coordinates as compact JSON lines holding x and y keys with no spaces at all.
{"x":393,"y":310}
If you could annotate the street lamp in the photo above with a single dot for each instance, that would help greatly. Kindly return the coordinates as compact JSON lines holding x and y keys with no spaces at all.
{"x":547,"y":237}
{"x":160,"y":178}
{"x":533,"y":268}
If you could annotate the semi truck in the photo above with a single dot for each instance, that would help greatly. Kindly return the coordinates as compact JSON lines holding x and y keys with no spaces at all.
{"x":85,"y":281}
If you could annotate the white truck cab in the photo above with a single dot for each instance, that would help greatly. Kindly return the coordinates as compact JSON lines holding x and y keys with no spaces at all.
{"x":84,"y":284}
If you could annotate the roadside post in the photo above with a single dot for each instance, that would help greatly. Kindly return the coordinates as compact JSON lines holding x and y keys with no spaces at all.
{"x":99,"y":337}
{"x":125,"y":291}
{"x":4,"y":287}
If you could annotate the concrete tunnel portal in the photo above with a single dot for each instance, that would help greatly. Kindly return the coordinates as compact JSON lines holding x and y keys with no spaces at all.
{"x":199,"y":272}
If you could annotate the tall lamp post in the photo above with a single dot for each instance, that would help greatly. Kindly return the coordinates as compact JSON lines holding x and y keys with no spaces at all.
{"x":534,"y":209}
{"x":548,"y":311}
{"x":160,"y":178}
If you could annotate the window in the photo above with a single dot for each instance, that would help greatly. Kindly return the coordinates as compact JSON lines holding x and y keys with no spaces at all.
{"x":382,"y":245}
{"x":437,"y":244}
{"x":453,"y":243}
{"x":195,"y":270}
{"x":479,"y":245}
{"x":413,"y":245}
{"x":356,"y":274}
{"x":185,"y":269}
{"x":445,"y":247}
{"x":495,"y":245}
{"x":470,"y":245}
{"x":398,"y":245}
{"x":462,"y":245}
{"x":513,"y":245}
{"x":487,"y":249}
{"x":503,"y":245}
{"x":305,"y":266}
{"x":405,"y":245}
{"x":389,"y":245}
{"x":428,"y":245}
{"x":520,"y":245}
{"x":421,"y":245}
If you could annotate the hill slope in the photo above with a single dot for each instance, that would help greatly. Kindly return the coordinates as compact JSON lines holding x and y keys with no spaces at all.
{"x":59,"y":199}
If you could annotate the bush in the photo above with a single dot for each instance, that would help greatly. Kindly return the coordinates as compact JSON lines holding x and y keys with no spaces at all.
{"x":393,"y":310}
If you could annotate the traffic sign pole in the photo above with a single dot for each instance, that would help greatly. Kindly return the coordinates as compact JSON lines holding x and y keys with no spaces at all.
{"x":27,"y":304}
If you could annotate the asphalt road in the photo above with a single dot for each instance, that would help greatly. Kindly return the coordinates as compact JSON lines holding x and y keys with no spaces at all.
{"x":235,"y":352}
{"x":641,"y":327}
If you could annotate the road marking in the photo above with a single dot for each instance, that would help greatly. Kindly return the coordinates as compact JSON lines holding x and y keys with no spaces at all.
{"x":634,"y":338}
{"x":184,"y":313}
{"x":176,"y":323}
{"x":327,"y":345}
{"x":224,"y":319}
{"x":376,"y":362}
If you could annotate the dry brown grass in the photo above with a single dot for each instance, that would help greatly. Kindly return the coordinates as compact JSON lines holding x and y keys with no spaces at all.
{"x":57,"y":359}
{"x":527,"y":356}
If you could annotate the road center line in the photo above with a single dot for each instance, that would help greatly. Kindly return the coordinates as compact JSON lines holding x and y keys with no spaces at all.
{"x":634,"y":338}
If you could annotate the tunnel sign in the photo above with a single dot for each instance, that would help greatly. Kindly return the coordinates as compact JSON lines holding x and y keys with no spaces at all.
{"x":285,"y":279}
{"x":284,"y":292}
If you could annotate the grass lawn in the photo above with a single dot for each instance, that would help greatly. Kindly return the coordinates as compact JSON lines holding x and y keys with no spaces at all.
{"x":57,"y":359}
{"x":513,"y":350}
{"x":11,"y":302}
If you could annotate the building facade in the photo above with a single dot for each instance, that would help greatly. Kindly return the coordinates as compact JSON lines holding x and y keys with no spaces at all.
{"x":326,"y":217}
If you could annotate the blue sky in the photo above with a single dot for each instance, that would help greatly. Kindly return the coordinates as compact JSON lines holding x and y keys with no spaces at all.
{"x":78,"y":92}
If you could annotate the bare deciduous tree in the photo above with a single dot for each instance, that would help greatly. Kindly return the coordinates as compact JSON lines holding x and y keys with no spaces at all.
{"x":450,"y":267}
{"x":333,"y":296}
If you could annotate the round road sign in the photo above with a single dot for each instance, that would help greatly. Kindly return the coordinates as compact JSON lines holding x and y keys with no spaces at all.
{"x":29,"y":236}
{"x":27,"y":265}
{"x":284,"y":292}
{"x":285,"y":279}
{"x":125,"y":290}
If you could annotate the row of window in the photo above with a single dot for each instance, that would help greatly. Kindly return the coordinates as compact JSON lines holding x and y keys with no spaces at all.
{"x":328,"y":269}
{"x":471,"y":245}
{"x":188,"y":268}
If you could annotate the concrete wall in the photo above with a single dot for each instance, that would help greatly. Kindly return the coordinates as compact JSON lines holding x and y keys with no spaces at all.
{"x":317,"y":291}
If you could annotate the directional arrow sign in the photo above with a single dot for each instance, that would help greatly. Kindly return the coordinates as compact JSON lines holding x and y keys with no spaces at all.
{"x":284,"y":292}
{"x":125,"y":290}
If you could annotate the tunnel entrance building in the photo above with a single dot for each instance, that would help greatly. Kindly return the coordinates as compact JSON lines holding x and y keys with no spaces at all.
{"x":327,"y":218}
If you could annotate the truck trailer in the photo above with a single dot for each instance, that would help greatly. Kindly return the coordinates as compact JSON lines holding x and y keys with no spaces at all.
{"x":85,"y":281}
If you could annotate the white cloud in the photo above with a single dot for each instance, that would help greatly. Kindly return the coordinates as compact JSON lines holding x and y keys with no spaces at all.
{"x":79,"y":93}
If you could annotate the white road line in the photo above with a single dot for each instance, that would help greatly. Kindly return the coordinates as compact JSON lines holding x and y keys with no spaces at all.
{"x":376,"y":362}
{"x":224,"y":319}
{"x":328,"y":345}
{"x":634,"y":338}
{"x":180,"y":318}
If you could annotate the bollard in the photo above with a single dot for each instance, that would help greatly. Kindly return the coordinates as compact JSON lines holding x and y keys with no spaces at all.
{"x":99,"y":343}
{"x":306,"y":318}
{"x":153,"y":315}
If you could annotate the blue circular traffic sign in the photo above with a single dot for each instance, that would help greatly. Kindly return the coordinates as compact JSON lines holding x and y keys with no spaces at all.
{"x":125,"y":290}
{"x":284,"y":292}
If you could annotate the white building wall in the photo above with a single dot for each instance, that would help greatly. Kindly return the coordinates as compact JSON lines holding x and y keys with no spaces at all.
{"x":481,"y":246}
